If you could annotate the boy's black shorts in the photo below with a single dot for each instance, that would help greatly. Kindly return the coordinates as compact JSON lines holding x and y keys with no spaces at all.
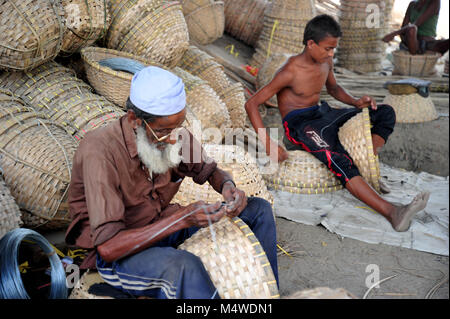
{"x":315,"y":130}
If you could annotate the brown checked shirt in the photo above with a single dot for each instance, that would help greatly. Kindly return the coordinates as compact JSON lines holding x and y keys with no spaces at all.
{"x":111,"y":190}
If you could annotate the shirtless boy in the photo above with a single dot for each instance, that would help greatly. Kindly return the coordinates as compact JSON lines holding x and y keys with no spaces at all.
{"x":313,"y":127}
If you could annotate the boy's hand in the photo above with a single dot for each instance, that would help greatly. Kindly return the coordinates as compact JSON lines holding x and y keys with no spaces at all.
{"x":366,"y":101}
{"x":280,"y":155}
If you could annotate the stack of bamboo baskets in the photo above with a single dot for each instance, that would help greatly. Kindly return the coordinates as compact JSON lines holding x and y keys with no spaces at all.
{"x":205,"y":20}
{"x":244,"y":19}
{"x":9,"y":210}
{"x":204,"y":66}
{"x":284,"y":24}
{"x":363,"y":24}
{"x":154,"y":29}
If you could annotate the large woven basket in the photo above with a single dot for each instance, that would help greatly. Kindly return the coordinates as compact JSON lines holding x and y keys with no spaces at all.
{"x":201,"y":64}
{"x":356,"y":137}
{"x":235,"y":260}
{"x":234,"y":98}
{"x":61,"y":97}
{"x":114,"y":85}
{"x":234,"y":160}
{"x":9,"y":210}
{"x":30,"y":33}
{"x":204,"y":102}
{"x":86,"y":21}
{"x":414,"y":65}
{"x":158,"y":32}
{"x":206,"y":24}
{"x":412,"y":108}
{"x":36,"y":159}
{"x":244,"y":19}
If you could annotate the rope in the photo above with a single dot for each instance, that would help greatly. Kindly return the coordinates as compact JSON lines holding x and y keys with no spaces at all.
{"x":11,"y":285}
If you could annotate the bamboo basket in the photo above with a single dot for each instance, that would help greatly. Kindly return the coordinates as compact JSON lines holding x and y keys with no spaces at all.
{"x":86,"y":21}
{"x":244,"y":19}
{"x":356,"y":137}
{"x":9,"y":210}
{"x":235,"y":161}
{"x":201,"y":64}
{"x":235,"y":261}
{"x":62,"y":97}
{"x":114,"y":85}
{"x":207,"y":23}
{"x":158,"y":33}
{"x":412,"y":108}
{"x":192,"y":5}
{"x":204,"y":102}
{"x":234,"y":99}
{"x":31,"y":33}
{"x":414,"y":65}
{"x":36,"y":161}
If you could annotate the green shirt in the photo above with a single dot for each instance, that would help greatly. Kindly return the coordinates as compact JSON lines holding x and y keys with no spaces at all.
{"x":428,"y":28}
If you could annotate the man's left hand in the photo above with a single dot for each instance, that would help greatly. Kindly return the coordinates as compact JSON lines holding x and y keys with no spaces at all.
{"x":366,"y":101}
{"x":235,"y":199}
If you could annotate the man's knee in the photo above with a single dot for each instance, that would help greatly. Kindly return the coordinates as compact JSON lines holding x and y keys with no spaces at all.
{"x":261,"y":206}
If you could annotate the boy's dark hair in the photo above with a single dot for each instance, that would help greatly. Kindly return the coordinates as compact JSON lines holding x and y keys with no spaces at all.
{"x":141,"y":114}
{"x":320,"y":27}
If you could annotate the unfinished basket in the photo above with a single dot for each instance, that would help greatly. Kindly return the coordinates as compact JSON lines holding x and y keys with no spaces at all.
{"x":61,"y":97}
{"x":234,"y":99}
{"x":81,"y":291}
{"x":9,"y":210}
{"x":414,"y":65}
{"x":86,"y":21}
{"x":267,"y":72}
{"x":30,"y":33}
{"x":235,"y":161}
{"x":158,"y":33}
{"x":356,"y":137}
{"x":244,"y":19}
{"x":206,"y":24}
{"x":36,"y":159}
{"x":235,"y":260}
{"x":412,"y":108}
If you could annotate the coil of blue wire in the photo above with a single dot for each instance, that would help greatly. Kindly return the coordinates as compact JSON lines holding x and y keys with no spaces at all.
{"x":11,"y":285}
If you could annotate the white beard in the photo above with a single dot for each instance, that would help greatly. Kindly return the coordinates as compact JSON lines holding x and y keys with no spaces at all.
{"x":155,"y":160}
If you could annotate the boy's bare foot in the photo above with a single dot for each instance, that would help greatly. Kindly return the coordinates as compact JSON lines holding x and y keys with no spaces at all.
{"x":402,"y":216}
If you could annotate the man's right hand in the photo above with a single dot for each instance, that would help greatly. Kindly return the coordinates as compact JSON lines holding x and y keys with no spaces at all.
{"x":205,"y":213}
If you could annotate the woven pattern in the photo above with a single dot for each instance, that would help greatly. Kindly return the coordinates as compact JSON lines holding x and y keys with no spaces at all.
{"x":284,"y":23}
{"x":153,"y":29}
{"x":30,"y":33}
{"x":36,"y":161}
{"x":204,"y":102}
{"x":86,"y":21}
{"x":114,"y":85}
{"x":9,"y":210}
{"x":302,"y":173}
{"x":414,"y":65}
{"x":244,"y":19}
{"x":234,"y":99}
{"x":205,"y":23}
{"x":61,"y":97}
{"x":268,"y":70}
{"x":238,"y":164}
{"x":88,"y":279}
{"x":356,"y":137}
{"x":360,"y":47}
{"x":412,"y":108}
{"x":236,"y":262}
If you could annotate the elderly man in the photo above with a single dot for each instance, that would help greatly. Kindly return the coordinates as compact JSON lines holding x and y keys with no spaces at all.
{"x":124,"y":177}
